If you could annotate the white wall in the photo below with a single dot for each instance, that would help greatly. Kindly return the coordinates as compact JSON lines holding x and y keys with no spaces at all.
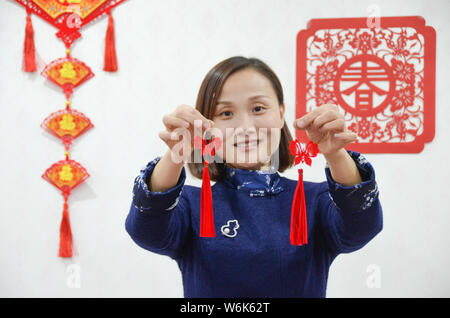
{"x":165,"y":48}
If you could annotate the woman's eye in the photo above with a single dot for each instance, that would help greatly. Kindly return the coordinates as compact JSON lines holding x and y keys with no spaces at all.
{"x":258,"y":108}
{"x":227,"y":113}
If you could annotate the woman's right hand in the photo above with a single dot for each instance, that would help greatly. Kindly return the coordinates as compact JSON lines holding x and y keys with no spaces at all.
{"x":180,"y":123}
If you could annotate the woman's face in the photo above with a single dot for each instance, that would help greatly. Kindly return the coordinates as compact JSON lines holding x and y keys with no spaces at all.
{"x":250,"y":120}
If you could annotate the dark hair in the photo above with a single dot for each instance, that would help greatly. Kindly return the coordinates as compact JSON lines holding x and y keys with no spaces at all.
{"x":207,"y":100}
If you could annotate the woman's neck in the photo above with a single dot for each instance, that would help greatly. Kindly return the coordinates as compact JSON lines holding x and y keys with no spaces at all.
{"x":265,"y":167}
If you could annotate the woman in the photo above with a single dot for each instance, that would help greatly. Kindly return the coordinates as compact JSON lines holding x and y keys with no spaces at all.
{"x":251,"y":256}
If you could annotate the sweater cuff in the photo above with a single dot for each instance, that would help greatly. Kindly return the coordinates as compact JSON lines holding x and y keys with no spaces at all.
{"x":359,"y":197}
{"x":147,"y":201}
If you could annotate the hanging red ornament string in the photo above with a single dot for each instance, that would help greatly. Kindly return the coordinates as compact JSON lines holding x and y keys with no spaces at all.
{"x":208,"y":148}
{"x":65,"y":175}
{"x":110,"y":47}
{"x":29,"y":54}
{"x":67,"y":124}
{"x":299,"y":227}
{"x":69,"y":17}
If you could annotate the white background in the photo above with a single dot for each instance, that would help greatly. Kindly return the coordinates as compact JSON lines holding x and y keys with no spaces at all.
{"x":165,"y":48}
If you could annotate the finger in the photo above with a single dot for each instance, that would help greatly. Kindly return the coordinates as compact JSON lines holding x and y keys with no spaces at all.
{"x":337,"y":125}
{"x":168,"y":135}
{"x":172,"y":122}
{"x":324,"y":118}
{"x":187,"y":111}
{"x":306,"y":120}
{"x":191,"y":115}
{"x":164,"y":135}
{"x":203,"y":118}
{"x":346,"y":137}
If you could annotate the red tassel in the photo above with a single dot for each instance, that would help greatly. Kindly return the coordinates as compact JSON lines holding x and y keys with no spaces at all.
{"x":299,"y":227}
{"x":65,"y":234}
{"x":110,"y":47}
{"x":206,"y":208}
{"x":29,"y":59}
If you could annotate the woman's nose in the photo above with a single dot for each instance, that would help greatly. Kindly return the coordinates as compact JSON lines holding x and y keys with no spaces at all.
{"x":247,"y":124}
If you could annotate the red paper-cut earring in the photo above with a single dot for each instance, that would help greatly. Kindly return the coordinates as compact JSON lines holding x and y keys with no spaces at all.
{"x":299,"y":227}
{"x":208,"y":148}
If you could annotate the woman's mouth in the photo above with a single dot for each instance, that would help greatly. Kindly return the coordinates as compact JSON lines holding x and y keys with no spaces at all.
{"x":247,"y":145}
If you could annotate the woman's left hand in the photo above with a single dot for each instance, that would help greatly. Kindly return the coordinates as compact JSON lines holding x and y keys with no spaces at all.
{"x":326,"y":127}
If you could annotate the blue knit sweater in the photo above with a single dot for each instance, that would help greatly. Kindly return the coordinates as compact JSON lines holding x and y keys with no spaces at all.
{"x":251,"y":255}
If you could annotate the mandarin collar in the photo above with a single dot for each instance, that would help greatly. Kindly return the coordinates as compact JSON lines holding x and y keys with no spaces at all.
{"x":257,"y":183}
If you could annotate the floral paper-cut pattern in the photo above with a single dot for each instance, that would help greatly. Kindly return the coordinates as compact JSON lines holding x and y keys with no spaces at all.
{"x":382,"y":79}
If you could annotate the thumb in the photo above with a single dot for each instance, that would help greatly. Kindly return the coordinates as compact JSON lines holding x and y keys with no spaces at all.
{"x":346,"y":137}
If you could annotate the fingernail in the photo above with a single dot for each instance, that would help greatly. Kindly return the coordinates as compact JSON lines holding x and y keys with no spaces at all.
{"x":300,"y":123}
{"x":186,"y":125}
{"x":206,"y":124}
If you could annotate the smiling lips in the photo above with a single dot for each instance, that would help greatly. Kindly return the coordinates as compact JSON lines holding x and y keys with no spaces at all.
{"x":247,"y":145}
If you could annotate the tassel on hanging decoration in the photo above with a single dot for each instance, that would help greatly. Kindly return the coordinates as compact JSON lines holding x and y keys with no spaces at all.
{"x":206,"y":204}
{"x":66,"y":175}
{"x":29,"y":51}
{"x":110,"y":47}
{"x":65,"y":233}
{"x":299,"y":226}
{"x":67,"y":73}
{"x":206,"y":207}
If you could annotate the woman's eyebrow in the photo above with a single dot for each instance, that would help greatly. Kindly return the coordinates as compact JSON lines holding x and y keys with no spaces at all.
{"x":250,"y":98}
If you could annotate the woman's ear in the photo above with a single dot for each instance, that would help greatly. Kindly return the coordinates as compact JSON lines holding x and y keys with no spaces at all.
{"x":282,"y":111}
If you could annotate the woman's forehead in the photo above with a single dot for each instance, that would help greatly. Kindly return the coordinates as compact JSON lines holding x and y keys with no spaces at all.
{"x":245,"y":84}
{"x":246,"y":89}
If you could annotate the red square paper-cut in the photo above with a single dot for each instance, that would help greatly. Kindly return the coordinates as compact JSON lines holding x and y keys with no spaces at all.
{"x":382,"y":78}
